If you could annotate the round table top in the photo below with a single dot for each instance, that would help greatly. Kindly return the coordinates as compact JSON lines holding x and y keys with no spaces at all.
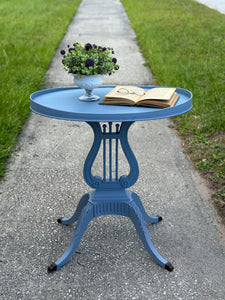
{"x":63,"y":103}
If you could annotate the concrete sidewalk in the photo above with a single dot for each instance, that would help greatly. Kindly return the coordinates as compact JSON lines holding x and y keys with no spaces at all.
{"x":45,"y":182}
{"x":214,"y":4}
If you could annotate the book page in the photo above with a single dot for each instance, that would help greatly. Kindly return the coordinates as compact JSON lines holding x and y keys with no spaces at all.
{"x":159,"y":94}
{"x":126,"y":92}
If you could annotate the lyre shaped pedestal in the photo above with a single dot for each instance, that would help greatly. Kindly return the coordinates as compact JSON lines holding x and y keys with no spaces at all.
{"x":110,"y":194}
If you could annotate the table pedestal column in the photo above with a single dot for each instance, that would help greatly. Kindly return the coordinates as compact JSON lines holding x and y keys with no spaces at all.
{"x":110,"y":194}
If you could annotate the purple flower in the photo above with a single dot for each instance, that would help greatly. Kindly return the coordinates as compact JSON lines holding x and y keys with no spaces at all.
{"x":94,"y":46}
{"x":114,"y":60}
{"x":89,"y":62}
{"x":62,"y":52}
{"x":88,"y":46}
{"x":71,"y":49}
{"x":103,"y":49}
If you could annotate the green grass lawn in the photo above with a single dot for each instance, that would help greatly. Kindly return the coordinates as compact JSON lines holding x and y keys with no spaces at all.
{"x":183,"y":43}
{"x":30,"y":32}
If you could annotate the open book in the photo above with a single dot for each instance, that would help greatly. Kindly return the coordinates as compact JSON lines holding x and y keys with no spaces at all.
{"x":136,"y":96}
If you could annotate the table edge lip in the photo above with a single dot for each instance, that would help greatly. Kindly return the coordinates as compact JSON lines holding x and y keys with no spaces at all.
{"x":109,"y":117}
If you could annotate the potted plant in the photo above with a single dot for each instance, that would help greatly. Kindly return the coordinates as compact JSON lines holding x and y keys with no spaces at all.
{"x":88,"y":64}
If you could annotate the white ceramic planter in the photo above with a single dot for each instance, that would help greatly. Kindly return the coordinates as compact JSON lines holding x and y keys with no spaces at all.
{"x":88,"y":83}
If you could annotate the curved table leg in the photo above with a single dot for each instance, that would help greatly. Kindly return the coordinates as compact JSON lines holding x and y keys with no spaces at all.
{"x":147,"y":218}
{"x":93,"y":205}
{"x":83,"y":202}
{"x":138,"y":220}
{"x":84,"y":219}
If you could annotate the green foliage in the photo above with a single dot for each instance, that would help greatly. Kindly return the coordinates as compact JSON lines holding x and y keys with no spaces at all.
{"x":30,"y":33}
{"x":89,"y":60}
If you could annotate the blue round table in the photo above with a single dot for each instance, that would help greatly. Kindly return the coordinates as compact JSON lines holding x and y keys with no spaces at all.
{"x":110,"y":194}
